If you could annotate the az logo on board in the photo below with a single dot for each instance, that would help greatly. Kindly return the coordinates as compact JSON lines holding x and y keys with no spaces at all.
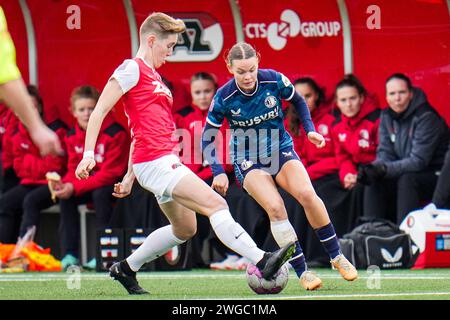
{"x":202,"y":40}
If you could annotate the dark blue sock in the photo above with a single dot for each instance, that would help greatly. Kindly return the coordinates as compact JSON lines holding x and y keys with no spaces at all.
{"x":298,"y":260}
{"x":329,"y":240}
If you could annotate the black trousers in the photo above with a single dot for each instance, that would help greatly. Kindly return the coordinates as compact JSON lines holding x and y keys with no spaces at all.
{"x":11,"y":212}
{"x":393,"y":199}
{"x":34,"y":202}
{"x":441,"y":195}
{"x":69,"y":228}
{"x":9,"y":180}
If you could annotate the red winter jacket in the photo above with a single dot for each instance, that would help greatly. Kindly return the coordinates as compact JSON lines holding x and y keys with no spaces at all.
{"x":111,"y":156}
{"x":3,"y":112}
{"x":10,"y":127}
{"x":356,"y":139}
{"x":29,"y":166}
{"x":192,"y":119}
{"x":318,"y":162}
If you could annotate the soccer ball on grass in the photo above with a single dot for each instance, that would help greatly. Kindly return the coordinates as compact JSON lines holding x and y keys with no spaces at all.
{"x":262,"y":286}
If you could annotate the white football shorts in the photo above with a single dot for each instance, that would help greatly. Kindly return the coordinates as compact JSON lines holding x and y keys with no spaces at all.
{"x":160,"y":176}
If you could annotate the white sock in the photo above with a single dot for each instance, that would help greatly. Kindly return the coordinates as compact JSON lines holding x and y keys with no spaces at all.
{"x":283,"y":232}
{"x":155,"y":245}
{"x":234,"y":236}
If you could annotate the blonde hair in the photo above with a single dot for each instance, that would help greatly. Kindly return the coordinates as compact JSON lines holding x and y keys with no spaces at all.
{"x":161,"y":25}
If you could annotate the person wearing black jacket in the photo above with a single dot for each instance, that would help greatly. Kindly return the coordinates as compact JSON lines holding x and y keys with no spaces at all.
{"x":441,"y":195}
{"x":412,"y":144}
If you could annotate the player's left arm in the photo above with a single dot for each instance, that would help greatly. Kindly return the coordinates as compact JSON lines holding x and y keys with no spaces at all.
{"x":123,"y":188}
{"x":289,"y":93}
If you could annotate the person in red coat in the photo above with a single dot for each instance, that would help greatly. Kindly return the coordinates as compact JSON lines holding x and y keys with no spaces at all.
{"x":9,"y":127}
{"x":355,"y":130}
{"x":318,"y":162}
{"x":111,"y":156}
{"x":190,"y":122}
{"x":31,"y":168}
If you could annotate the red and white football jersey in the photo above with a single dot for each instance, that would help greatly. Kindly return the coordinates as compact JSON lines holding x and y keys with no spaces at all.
{"x":148,"y":103}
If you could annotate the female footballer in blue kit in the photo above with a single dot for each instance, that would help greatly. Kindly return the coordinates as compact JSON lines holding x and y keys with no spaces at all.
{"x":264,"y":157}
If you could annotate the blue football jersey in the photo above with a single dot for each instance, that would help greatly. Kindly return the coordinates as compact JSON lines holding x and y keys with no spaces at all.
{"x":256,"y":119}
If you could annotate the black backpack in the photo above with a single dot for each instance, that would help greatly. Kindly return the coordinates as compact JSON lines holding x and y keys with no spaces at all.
{"x":378,"y":242}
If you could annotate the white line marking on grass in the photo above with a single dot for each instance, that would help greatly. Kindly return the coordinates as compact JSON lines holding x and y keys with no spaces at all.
{"x":336,"y":296}
{"x":168,"y":276}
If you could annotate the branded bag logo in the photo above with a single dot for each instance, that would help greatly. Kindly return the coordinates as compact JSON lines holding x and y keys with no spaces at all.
{"x":393,"y":261}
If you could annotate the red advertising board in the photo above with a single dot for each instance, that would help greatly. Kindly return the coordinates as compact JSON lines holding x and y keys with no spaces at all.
{"x":72,"y":51}
{"x":297,"y":38}
{"x":413,"y":38}
{"x":17,"y":29}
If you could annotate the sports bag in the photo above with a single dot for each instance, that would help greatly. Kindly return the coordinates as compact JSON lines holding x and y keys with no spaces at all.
{"x":378,"y":242}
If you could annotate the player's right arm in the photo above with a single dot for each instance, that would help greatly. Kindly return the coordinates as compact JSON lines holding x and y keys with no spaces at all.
{"x":124,"y":78}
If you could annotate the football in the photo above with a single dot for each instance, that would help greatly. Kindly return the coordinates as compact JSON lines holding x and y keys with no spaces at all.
{"x":262,"y":286}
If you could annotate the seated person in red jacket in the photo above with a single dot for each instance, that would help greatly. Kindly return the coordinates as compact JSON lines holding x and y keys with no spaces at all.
{"x":111,"y":155}
{"x":31,"y":168}
{"x":9,"y":126}
{"x":190,"y":122}
{"x":318,"y":162}
{"x":355,"y":130}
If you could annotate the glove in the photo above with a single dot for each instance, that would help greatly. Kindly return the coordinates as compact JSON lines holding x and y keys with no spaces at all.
{"x":370,"y":173}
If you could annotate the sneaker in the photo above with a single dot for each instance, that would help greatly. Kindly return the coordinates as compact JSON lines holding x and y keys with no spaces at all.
{"x":241,"y":264}
{"x":91,"y":265}
{"x":276,"y":259}
{"x":225,"y":264}
{"x":128,"y":282}
{"x":69,"y":260}
{"x":345,"y":268}
{"x":310,"y":281}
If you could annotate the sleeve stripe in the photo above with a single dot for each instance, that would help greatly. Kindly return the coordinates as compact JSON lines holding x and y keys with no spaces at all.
{"x":293,"y":92}
{"x":213,"y":123}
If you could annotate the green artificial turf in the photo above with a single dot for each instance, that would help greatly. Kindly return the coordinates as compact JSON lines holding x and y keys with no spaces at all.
{"x":205,"y":284}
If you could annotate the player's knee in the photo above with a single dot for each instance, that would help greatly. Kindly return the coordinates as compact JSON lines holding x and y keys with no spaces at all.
{"x":186,"y":231}
{"x":307,"y":196}
{"x":276,"y":210}
{"x":217,"y":203}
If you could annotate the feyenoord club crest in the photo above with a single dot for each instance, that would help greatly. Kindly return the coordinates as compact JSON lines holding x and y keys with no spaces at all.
{"x":246,"y":164}
{"x":270,"y":102}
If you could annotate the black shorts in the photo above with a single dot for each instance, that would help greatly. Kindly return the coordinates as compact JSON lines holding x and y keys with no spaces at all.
{"x":271,"y":165}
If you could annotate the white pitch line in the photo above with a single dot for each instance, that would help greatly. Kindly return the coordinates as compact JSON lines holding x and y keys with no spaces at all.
{"x":50,"y":277}
{"x":335,"y":296}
